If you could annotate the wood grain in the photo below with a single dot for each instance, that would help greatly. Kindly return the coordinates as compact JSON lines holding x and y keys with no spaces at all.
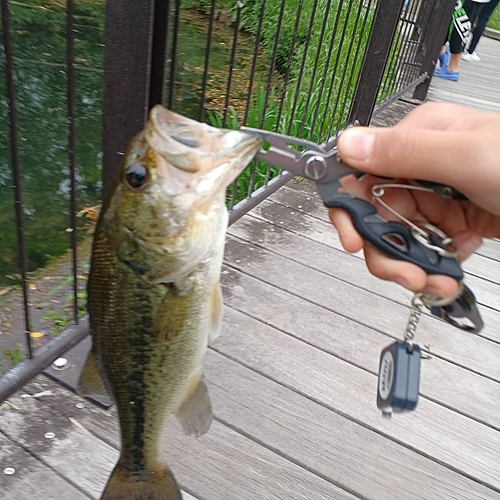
{"x":320,"y":231}
{"x":368,"y":309}
{"x":32,"y":479}
{"x":433,"y":430}
{"x":444,"y":382}
{"x":221,"y":465}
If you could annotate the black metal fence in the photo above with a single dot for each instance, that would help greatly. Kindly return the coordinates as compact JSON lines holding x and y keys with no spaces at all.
{"x":305,"y":68}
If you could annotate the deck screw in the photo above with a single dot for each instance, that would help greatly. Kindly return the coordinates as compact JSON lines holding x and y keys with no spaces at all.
{"x":60,"y":364}
{"x":49,"y":435}
{"x":80,"y":405}
{"x":8,"y":471}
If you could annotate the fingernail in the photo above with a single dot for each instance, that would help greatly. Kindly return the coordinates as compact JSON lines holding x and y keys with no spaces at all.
{"x":468,"y":247}
{"x":357,"y":145}
{"x":434,"y":291}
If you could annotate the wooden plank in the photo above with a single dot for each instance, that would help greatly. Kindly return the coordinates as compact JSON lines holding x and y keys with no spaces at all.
{"x":74,"y":453}
{"x":478,"y":84}
{"x":340,"y":264}
{"x":307,"y":434}
{"x":303,"y":194}
{"x":299,"y":194}
{"x":450,"y":385}
{"x":32,"y":478}
{"x":221,"y":465}
{"x":432,"y":430}
{"x":472,"y":352}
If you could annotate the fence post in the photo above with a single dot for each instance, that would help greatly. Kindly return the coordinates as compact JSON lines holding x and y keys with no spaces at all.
{"x":127,"y":69}
{"x":442,"y":13}
{"x":382,"y":33}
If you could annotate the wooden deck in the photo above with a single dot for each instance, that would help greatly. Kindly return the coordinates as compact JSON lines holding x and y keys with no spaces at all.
{"x":293,"y":382}
{"x":479,"y":83}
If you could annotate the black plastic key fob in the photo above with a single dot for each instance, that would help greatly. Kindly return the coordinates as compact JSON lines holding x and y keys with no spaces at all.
{"x":399,"y":377}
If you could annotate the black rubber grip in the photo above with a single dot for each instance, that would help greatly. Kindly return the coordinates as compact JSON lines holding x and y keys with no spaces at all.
{"x":394,"y":239}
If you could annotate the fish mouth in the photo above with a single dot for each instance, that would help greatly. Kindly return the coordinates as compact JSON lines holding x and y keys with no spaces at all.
{"x":193,"y":146}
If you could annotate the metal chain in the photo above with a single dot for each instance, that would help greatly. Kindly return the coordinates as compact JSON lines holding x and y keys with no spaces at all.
{"x":411,"y":327}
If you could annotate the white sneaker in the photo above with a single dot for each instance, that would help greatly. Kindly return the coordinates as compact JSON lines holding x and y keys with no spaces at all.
{"x":470,"y":57}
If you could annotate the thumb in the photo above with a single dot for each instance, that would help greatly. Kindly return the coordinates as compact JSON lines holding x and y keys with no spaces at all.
{"x":432,"y":155}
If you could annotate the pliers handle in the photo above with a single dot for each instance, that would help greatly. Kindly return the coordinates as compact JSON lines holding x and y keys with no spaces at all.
{"x":322,"y":164}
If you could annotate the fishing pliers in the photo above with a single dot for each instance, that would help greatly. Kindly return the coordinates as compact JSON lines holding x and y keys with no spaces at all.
{"x":422,"y":245}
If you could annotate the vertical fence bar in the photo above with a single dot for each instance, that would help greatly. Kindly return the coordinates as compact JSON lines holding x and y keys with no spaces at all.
{"x":127,"y":61}
{"x":326,"y":69}
{"x":158,"y":54}
{"x":71,"y":148}
{"x":377,"y":53}
{"x":353,"y":72}
{"x":410,"y":19}
{"x":268,"y":94}
{"x":302,"y":65}
{"x":334,"y":73}
{"x":439,"y":25}
{"x":424,"y":20}
{"x":405,"y":58}
{"x":208,"y":48}
{"x":286,"y":78}
{"x":342,"y":87}
{"x":315,"y":68}
{"x":389,"y":79}
{"x":173,"y":59}
{"x":254,"y":61}
{"x":16,"y":177}
{"x":239,"y":6}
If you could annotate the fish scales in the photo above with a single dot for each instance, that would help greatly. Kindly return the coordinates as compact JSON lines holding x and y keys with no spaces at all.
{"x":154,"y":293}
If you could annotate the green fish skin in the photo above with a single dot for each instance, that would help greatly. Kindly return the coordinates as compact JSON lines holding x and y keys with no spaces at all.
{"x":155,"y":301}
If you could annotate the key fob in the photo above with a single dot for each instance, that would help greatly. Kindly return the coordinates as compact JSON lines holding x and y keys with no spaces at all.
{"x":399,"y":378}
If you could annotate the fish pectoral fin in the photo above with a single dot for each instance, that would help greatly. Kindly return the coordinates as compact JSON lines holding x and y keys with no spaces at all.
{"x":216,"y":313}
{"x":91,"y":382}
{"x":195,"y":412}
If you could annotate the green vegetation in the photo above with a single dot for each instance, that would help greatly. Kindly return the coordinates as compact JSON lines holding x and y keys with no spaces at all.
{"x":494,"y":22}
{"x":58,"y":320}
{"x":315,"y":96}
{"x":14,"y":356}
{"x":39,"y":45}
{"x":311,"y":100}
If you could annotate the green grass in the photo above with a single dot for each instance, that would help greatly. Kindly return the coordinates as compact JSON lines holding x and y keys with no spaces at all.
{"x":494,"y":21}
{"x":14,"y":356}
{"x":314,"y":103}
{"x":58,"y":321}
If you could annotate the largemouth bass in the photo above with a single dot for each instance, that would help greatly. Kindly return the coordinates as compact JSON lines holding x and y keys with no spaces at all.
{"x":154,"y":296}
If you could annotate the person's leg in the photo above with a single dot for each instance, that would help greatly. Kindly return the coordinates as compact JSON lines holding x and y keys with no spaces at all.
{"x":482,"y":21}
{"x":458,"y":37}
{"x":472,"y":10}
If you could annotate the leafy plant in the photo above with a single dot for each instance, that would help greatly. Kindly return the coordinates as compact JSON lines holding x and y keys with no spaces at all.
{"x":14,"y":356}
{"x":59,"y":321}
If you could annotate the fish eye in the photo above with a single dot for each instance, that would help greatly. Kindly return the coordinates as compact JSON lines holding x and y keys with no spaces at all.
{"x":136,"y":175}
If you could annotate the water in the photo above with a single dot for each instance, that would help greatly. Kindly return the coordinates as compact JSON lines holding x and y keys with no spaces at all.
{"x":38,"y":31}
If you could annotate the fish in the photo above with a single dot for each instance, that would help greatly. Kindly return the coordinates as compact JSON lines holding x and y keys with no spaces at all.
{"x":154,"y":294}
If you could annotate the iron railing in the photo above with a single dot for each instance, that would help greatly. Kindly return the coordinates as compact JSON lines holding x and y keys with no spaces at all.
{"x":305,"y":68}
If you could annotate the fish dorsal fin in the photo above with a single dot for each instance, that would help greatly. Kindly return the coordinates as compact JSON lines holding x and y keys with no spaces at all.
{"x":91,"y":382}
{"x":195,"y":412}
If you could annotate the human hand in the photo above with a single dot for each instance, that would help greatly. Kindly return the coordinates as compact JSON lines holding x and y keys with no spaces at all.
{"x":441,"y":143}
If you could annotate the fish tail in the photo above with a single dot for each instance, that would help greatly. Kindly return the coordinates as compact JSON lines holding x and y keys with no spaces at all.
{"x":125,"y":485}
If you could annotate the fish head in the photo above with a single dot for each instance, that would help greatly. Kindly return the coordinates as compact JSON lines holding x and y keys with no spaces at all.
{"x":167,"y":209}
